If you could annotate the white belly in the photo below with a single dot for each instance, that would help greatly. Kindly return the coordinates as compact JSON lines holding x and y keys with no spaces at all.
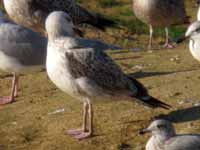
{"x":153,"y":145}
{"x":195,"y":48}
{"x":58,"y":73}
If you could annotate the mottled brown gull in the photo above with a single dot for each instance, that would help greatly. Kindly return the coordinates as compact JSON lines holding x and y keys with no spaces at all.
{"x":21,"y":50}
{"x":32,"y":13}
{"x":160,"y":13}
{"x":164,"y":137}
{"x":87,"y":73}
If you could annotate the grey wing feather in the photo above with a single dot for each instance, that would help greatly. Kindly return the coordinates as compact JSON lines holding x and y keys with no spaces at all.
{"x":184,"y":142}
{"x":28,"y":47}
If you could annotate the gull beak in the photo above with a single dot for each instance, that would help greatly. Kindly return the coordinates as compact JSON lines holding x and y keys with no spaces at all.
{"x":144,"y":131}
{"x":78,"y":32}
{"x":181,"y":39}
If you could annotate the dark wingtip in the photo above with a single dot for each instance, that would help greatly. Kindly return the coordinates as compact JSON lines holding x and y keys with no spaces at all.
{"x":157,"y":103}
{"x":143,"y":97}
{"x":153,"y":103}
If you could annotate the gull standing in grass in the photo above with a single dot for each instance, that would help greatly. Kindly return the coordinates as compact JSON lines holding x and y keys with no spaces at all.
{"x":160,"y":13}
{"x":32,"y":13}
{"x":86,"y":73}
{"x":21,"y":50}
{"x":164,"y":137}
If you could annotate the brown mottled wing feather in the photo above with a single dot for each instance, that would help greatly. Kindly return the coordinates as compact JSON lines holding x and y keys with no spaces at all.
{"x":174,"y":10}
{"x":69,"y":6}
{"x":79,"y":14}
{"x":98,"y":67}
{"x":101,"y":70}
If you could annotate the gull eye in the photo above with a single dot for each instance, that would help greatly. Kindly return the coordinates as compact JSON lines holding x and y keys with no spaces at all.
{"x":161,"y":126}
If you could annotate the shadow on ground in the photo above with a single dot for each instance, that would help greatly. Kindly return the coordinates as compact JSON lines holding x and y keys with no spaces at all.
{"x":182,"y":115}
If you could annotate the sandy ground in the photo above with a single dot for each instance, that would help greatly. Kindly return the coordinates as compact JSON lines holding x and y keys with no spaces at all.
{"x":41,"y":114}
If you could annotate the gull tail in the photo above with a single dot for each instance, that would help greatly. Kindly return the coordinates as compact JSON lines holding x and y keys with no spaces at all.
{"x":144,"y":98}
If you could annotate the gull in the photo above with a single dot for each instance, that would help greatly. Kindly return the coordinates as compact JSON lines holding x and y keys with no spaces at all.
{"x":32,"y":13}
{"x":193,"y":34}
{"x":160,"y":13}
{"x":21,"y":50}
{"x":198,"y":13}
{"x":164,"y":137}
{"x":87,"y":73}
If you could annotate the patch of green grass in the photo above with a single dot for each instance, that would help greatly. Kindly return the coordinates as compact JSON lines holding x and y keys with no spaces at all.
{"x":177,"y":31}
{"x":127,"y":13}
{"x":79,"y":1}
{"x":135,"y":26}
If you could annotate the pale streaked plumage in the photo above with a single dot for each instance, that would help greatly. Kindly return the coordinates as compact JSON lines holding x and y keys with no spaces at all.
{"x":160,"y":13}
{"x":21,"y":50}
{"x":32,"y":13}
{"x":164,"y":137}
{"x":87,"y":73}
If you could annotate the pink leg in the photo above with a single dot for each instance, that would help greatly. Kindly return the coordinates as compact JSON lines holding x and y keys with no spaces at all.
{"x":81,"y":134}
{"x":9,"y":99}
{"x":167,"y":43}
{"x":88,"y":133}
{"x":75,"y":132}
{"x":150,"y":37}
{"x":16,"y":87}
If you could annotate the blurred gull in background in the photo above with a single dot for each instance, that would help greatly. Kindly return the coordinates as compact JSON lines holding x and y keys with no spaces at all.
{"x":164,"y":137}
{"x":32,"y":13}
{"x":21,"y":50}
{"x":160,"y":13}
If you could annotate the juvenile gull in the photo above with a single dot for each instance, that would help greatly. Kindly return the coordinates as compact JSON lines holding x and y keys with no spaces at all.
{"x":164,"y":137}
{"x":21,"y":50}
{"x":87,"y":73}
{"x":160,"y":13}
{"x":32,"y":13}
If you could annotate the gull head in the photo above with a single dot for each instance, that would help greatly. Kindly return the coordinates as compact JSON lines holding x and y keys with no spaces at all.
{"x":193,"y":29}
{"x":59,"y":23}
{"x":160,"y":128}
